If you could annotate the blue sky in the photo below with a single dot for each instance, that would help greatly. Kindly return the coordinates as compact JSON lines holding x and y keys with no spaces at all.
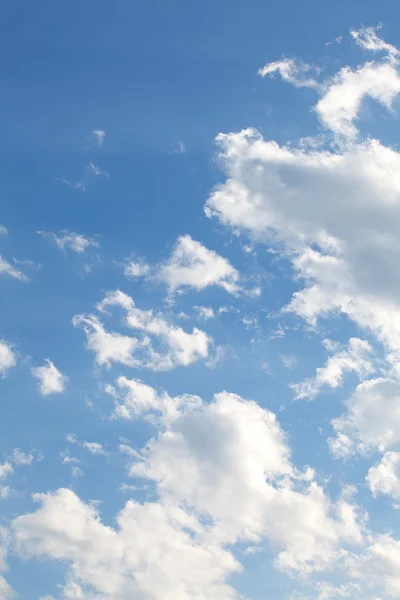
{"x":200,"y":324}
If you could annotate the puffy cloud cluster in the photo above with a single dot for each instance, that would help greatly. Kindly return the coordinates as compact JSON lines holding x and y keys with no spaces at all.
{"x":334,"y":213}
{"x":357,"y":358}
{"x":223,"y":475}
{"x":190,"y":265}
{"x":160,"y":345}
{"x":372,"y":420}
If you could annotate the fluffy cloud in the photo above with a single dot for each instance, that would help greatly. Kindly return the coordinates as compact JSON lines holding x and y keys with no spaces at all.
{"x":156,"y":552}
{"x":108,"y":346}
{"x":372,"y":420}
{"x":381,"y":564}
{"x":342,"y":95}
{"x":136,"y":269}
{"x":230,"y":461}
{"x":176,"y":346}
{"x":134,"y":399}
{"x":5,"y":469}
{"x":223,"y":474}
{"x":50,"y":379}
{"x":356,"y":358}
{"x":334,"y":213}
{"x":7,"y":358}
{"x":204,"y":312}
{"x":385,"y":477}
{"x":193,"y":265}
{"x":69,"y":240}
{"x":340,"y":105}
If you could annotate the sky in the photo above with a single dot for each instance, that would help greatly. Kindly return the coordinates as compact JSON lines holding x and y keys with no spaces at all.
{"x":200,"y":314}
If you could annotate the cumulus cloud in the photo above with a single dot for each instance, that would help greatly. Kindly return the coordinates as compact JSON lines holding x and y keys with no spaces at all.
{"x":372,"y":420}
{"x":155,"y":551}
{"x":229,"y":459}
{"x":357,"y":358}
{"x":341,"y":102}
{"x":223,"y":475}
{"x":193,"y":265}
{"x":381,"y":564}
{"x":50,"y":379}
{"x":160,"y":346}
{"x":334,"y":214}
{"x":7,"y":358}
{"x":69,"y":240}
{"x":384,"y":478}
{"x":134,"y":398}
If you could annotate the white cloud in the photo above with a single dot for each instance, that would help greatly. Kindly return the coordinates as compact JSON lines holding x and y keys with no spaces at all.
{"x":341,"y":102}
{"x":94,"y":447}
{"x":136,"y":399}
{"x":380,"y":564}
{"x":99,"y":135}
{"x":21,"y":458}
{"x":69,"y":240}
{"x":367,"y":38}
{"x":136,"y":269}
{"x":225,"y":459}
{"x":372,"y":420}
{"x":346,"y":249}
{"x":3,"y":230}
{"x":51,"y":380}
{"x":108,"y":347}
{"x":228,"y":464}
{"x":355,"y":358}
{"x":6,"y":591}
{"x":385,"y":477}
{"x":204,"y":312}
{"x":7,"y":358}
{"x":7,"y":269}
{"x":155,"y":552}
{"x":292,"y":71}
{"x":193,"y":265}
{"x":5,"y":469}
{"x":342,"y":95}
{"x":177,"y":347}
